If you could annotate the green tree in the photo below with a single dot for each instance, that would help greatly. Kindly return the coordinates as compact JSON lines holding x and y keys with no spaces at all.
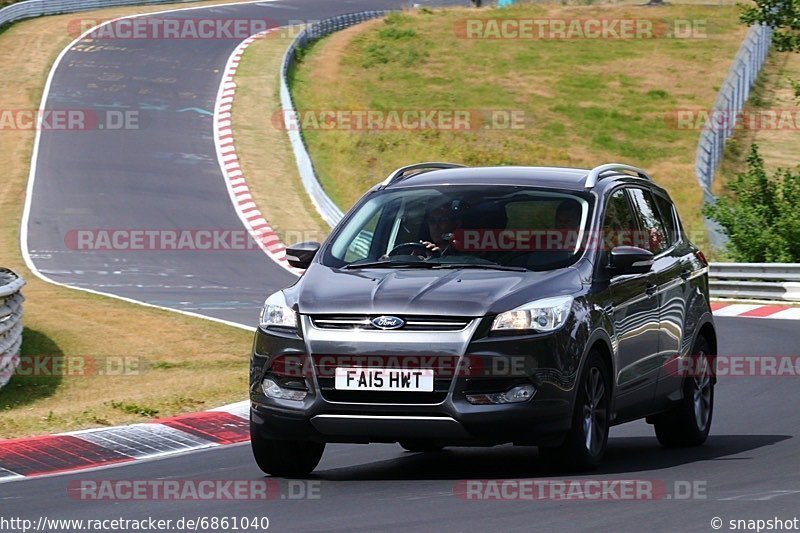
{"x":783,"y":15}
{"x":761,"y":217}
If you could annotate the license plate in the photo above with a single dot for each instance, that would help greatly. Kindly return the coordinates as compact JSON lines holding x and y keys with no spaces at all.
{"x":385,"y":379}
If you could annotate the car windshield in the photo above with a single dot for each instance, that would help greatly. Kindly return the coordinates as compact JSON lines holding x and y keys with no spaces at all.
{"x":498,"y":227}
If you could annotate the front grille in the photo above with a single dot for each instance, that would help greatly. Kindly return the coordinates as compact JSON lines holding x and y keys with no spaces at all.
{"x":412,"y":323}
{"x":325,"y":367}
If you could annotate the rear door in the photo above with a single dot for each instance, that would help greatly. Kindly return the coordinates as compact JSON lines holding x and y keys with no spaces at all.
{"x":634,"y":313}
{"x":667,"y":267}
{"x":675,"y":288}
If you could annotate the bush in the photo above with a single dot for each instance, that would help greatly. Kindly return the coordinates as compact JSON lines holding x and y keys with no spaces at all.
{"x":783,"y":15}
{"x":395,"y":33}
{"x":396,"y":18}
{"x":761,"y":217}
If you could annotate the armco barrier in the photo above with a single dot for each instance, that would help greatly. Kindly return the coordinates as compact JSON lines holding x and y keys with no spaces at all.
{"x":329,"y":211}
{"x":10,"y":323}
{"x":38,"y":8}
{"x":755,"y":281}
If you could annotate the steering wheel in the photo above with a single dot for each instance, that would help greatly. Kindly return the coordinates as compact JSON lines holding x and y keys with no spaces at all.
{"x":408,"y":248}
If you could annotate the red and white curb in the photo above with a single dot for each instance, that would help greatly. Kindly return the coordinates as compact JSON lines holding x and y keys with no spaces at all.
{"x":246,"y":208}
{"x":723,"y":309}
{"x":93,"y":448}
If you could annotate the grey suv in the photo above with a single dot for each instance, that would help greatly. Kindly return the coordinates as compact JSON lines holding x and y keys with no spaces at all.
{"x":458,"y":306}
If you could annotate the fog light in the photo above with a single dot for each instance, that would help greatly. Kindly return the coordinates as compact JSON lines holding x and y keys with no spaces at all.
{"x":273,"y":390}
{"x":520,"y":393}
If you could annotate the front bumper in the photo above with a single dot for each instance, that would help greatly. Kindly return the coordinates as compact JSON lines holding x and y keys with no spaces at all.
{"x":485,"y":364}
{"x":531,"y":424}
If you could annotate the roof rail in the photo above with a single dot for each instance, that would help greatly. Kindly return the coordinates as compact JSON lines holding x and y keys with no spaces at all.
{"x":597,"y":172}
{"x":402,"y":172}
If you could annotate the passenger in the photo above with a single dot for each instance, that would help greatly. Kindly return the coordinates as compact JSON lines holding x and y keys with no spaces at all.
{"x":568,"y":215}
{"x":567,"y":225}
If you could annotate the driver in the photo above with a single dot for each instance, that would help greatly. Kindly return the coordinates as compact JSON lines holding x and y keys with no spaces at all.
{"x":443,"y":221}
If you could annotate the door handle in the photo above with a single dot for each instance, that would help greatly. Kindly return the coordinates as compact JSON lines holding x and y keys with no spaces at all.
{"x":685,"y":274}
{"x":651,"y":289}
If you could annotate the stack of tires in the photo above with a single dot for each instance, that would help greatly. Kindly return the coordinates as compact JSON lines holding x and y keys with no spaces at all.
{"x":10,"y":323}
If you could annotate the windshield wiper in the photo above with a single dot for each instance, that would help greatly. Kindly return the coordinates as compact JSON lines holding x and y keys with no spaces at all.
{"x":390,"y":264}
{"x":489,"y":266}
{"x":432,"y":265}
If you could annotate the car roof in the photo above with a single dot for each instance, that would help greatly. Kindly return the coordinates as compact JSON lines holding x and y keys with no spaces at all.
{"x":548,"y":177}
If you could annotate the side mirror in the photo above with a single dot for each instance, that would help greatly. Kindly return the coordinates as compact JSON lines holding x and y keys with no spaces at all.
{"x":301,"y":254}
{"x":630,"y":260}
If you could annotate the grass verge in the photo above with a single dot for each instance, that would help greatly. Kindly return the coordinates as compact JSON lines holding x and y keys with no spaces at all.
{"x":263,"y":147}
{"x":202,"y":364}
{"x":584,"y":101}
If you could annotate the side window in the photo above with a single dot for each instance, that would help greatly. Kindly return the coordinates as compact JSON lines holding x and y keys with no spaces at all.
{"x":668,"y":216}
{"x":655,"y":236}
{"x":360,"y":246}
{"x":619,"y":225}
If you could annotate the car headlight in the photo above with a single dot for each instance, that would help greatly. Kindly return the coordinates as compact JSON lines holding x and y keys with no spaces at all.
{"x":276,"y":314}
{"x":547,"y":314}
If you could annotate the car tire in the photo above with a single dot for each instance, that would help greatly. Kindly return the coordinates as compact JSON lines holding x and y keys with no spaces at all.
{"x":689,"y":422}
{"x":585,"y":443}
{"x":420,"y":446}
{"x":285,"y":458}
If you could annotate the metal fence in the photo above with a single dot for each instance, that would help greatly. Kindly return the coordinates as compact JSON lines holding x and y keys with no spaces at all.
{"x":730,"y":101}
{"x":329,"y":211}
{"x":10,"y":323}
{"x":38,"y":8}
{"x":756,"y":281}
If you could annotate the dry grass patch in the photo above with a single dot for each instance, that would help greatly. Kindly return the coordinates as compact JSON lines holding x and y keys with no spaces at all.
{"x":773,"y":96}
{"x":336,"y":45}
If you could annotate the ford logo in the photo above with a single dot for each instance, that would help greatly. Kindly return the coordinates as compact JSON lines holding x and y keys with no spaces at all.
{"x":388,"y":322}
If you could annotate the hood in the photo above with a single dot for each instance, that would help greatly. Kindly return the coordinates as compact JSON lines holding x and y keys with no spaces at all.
{"x":457,"y":292}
